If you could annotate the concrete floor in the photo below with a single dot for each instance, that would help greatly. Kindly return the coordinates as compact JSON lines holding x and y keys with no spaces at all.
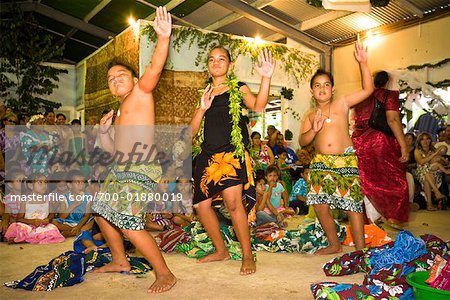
{"x":278,"y":276}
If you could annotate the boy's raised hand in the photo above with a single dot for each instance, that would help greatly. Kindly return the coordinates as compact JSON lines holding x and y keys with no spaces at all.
{"x":361,"y":53}
{"x":319,"y":119}
{"x":163,"y":23}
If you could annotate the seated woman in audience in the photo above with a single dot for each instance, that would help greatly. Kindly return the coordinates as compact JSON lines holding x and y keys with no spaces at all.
{"x":34,"y":219}
{"x":429,"y":177}
{"x":262,"y":154}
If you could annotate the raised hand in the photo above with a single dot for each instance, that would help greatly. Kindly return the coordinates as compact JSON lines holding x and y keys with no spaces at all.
{"x":361,"y":53}
{"x":319,"y":119}
{"x":266,"y":64}
{"x":207,"y":99}
{"x":106,"y":121}
{"x":163,"y":23}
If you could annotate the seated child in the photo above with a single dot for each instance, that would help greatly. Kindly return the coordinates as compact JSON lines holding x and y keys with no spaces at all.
{"x":182,"y":210}
{"x":284,"y":168}
{"x":33,"y":223}
{"x":297,"y":198}
{"x":159,"y":216}
{"x":273,"y":207}
{"x":59,"y":188}
{"x":89,"y":239}
{"x":78,"y":202}
{"x":439,"y":162}
{"x":10,"y":202}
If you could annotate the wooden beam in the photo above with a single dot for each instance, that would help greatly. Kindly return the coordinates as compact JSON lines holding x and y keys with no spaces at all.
{"x":96,"y":10}
{"x":311,"y":23}
{"x":173,"y":17}
{"x":171,"y":5}
{"x":233,"y":17}
{"x":61,"y":17}
{"x":410,"y":7}
{"x":272,"y":23}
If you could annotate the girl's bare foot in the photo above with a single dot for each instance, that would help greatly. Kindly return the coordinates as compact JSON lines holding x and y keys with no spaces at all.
{"x":329,"y":250}
{"x":114,"y":267}
{"x":215,"y":256}
{"x":248,"y":266}
{"x":163,"y":283}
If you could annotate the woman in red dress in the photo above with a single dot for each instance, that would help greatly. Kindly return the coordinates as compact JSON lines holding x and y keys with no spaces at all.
{"x":381,"y":157}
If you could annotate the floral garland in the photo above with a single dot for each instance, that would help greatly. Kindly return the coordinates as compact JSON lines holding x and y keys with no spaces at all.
{"x":236,"y":97}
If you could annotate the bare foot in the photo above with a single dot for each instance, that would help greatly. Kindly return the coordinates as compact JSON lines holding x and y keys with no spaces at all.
{"x":248,"y":266}
{"x":114,"y":267}
{"x":163,"y":283}
{"x":329,"y":250}
{"x":215,"y":256}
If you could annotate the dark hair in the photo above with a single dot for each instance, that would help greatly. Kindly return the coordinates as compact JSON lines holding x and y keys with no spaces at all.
{"x":47,"y":112}
{"x":75,"y":121}
{"x":411,"y":134}
{"x":223,"y":48}
{"x":281,"y":151}
{"x":381,"y":78}
{"x":319,"y":73}
{"x":260,"y":177}
{"x":254,"y":133}
{"x":114,"y":63}
{"x":74,"y":173}
{"x":61,"y":115}
{"x":271,"y":169}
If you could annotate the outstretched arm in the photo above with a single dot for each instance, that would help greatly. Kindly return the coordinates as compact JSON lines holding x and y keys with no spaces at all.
{"x":361,"y":57}
{"x":163,"y":28}
{"x":265,"y":69}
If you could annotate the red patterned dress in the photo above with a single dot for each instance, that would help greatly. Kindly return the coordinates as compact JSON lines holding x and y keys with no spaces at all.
{"x":383,"y":176}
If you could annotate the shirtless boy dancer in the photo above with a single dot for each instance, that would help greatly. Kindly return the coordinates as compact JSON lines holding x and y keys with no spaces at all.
{"x":334,"y":177}
{"x":136,"y":177}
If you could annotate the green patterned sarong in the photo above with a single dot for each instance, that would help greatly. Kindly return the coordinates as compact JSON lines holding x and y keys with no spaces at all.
{"x":334,"y":180}
{"x":124,"y":195}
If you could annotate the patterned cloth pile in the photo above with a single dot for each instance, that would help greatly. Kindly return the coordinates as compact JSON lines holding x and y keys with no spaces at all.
{"x":385,"y":268}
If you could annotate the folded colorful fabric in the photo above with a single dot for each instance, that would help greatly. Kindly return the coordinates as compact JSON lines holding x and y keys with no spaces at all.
{"x":69,"y":268}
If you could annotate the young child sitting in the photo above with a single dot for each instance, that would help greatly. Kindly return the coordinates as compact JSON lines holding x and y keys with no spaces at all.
{"x":89,"y":239}
{"x":297,"y":198}
{"x":182,"y":210}
{"x":33,"y":223}
{"x":273,"y":207}
{"x":284,"y":168}
{"x":78,"y":203}
{"x":159,"y":216}
{"x":10,"y":202}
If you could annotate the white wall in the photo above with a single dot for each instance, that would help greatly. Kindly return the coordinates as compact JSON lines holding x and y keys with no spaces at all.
{"x":423,"y":43}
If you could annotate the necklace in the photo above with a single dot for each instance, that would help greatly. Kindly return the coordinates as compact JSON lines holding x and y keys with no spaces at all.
{"x":217,"y":86}
{"x":328,"y":119}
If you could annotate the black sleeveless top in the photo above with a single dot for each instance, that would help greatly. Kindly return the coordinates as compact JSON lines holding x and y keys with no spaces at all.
{"x":218,"y":125}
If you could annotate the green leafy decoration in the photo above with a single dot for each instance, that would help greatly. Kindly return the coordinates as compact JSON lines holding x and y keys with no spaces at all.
{"x":235,"y":111}
{"x":436,"y":65}
{"x":287,"y":93}
{"x":296,"y":63}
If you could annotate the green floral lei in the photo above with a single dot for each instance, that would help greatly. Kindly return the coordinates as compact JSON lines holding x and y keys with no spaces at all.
{"x":236,"y":97}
